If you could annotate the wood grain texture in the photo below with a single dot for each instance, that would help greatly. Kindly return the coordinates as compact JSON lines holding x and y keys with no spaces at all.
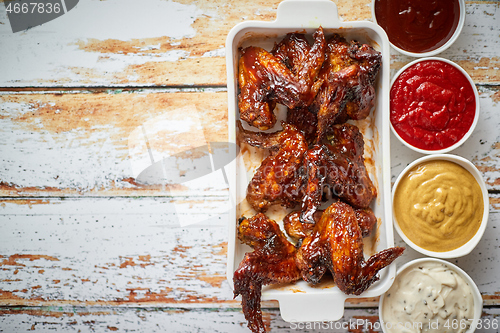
{"x":113,"y":251}
{"x":92,"y":144}
{"x":113,"y":319}
{"x":181,"y":43}
{"x":135,"y":251}
{"x":89,"y":100}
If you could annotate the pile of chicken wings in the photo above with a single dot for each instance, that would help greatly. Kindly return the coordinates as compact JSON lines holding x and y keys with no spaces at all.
{"x":316,"y":157}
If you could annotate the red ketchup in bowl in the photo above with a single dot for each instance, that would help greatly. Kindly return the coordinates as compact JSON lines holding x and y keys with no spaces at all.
{"x":433,"y":105}
{"x":418,"y":25}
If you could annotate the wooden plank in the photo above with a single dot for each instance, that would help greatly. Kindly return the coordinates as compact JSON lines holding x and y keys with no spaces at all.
{"x":137,"y":252}
{"x":181,"y":43}
{"x":113,"y":251}
{"x":182,"y":320}
{"x":97,"y":144}
{"x":92,"y":144}
{"x":83,"y":245}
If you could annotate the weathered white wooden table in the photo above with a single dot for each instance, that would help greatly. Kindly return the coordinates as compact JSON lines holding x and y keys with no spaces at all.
{"x":84,"y":246}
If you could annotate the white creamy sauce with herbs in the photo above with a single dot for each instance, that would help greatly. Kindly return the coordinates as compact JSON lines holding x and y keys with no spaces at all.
{"x":428,"y":297}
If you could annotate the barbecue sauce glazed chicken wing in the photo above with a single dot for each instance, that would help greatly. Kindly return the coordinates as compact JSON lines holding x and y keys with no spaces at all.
{"x":292,"y":173}
{"x":336,"y":245}
{"x":279,"y":179}
{"x":348,"y":76}
{"x":272,"y":261}
{"x":322,"y":85}
{"x":340,"y":165}
{"x":265,"y":79}
{"x":298,"y":230}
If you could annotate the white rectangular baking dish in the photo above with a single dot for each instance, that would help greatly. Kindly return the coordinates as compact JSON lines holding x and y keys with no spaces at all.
{"x":301,"y":302}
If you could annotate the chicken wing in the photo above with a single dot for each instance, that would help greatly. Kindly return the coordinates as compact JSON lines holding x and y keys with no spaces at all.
{"x":279,"y":179}
{"x":272,"y":261}
{"x":305,"y":121}
{"x":336,"y":244}
{"x":292,"y":51}
{"x":363,"y":95}
{"x":366,"y":219}
{"x":299,"y":230}
{"x":339,"y":165}
{"x":265,"y":79}
{"x":348,"y":77}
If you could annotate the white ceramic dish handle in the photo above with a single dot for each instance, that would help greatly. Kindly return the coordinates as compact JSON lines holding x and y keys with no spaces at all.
{"x":308,"y":14}
{"x":320,"y":307}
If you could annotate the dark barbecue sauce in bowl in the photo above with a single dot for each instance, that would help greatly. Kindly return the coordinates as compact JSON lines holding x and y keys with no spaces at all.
{"x":418,"y":26}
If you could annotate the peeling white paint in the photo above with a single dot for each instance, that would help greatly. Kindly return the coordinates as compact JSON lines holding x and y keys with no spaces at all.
{"x":113,"y":62}
{"x":49,"y":51}
{"x":150,"y":47}
{"x":212,"y":320}
{"x":122,"y":21}
{"x":85,"y":159}
{"x":216,"y":53}
{"x":76,"y":232}
{"x":59,"y":158}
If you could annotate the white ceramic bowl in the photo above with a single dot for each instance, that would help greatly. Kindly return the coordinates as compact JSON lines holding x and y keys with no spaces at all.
{"x":478,"y":300}
{"x":453,"y":38}
{"x":471,"y":244}
{"x":476,"y":116}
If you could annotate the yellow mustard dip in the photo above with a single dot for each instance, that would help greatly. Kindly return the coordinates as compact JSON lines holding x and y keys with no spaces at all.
{"x":438,"y":205}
